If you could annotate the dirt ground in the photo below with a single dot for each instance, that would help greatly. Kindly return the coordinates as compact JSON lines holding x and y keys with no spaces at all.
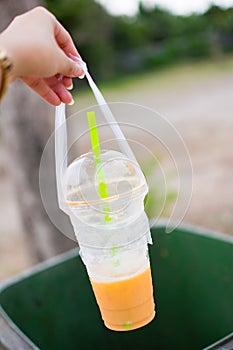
{"x":198,"y":100}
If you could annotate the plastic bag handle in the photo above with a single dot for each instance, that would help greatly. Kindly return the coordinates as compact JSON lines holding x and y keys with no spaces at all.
{"x":123,"y":144}
{"x":61,"y":154}
{"x":61,"y":135}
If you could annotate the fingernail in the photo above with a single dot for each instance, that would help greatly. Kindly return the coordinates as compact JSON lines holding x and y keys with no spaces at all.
{"x":71,"y":102}
{"x":70,"y":87}
{"x":81,"y":76}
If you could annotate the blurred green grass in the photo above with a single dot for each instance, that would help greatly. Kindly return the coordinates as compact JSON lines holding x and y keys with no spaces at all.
{"x":118,"y":89}
{"x":147,"y":88}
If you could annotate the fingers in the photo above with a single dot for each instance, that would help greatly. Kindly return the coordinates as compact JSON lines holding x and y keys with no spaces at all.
{"x":50,"y":89}
{"x":64,"y":40}
{"x":67,"y":82}
{"x":67,"y":66}
{"x":58,"y":87}
{"x":42,"y":89}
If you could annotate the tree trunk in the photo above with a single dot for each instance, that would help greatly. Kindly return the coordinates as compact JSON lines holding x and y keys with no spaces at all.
{"x":26,"y":126}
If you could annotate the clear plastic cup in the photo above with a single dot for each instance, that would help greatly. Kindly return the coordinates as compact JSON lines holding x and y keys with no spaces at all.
{"x":113,"y":235}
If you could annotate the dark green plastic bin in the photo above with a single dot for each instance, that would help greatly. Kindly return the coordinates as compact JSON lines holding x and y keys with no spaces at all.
{"x":52,"y":306}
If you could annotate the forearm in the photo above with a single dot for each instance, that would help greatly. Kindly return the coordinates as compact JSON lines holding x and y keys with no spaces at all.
{"x":10,"y":47}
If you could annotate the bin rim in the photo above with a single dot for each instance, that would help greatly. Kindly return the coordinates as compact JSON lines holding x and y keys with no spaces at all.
{"x":14,"y":333}
{"x":34,"y":270}
{"x":58,"y":259}
{"x":192,"y":229}
{"x":225,"y":343}
{"x":161,"y":223}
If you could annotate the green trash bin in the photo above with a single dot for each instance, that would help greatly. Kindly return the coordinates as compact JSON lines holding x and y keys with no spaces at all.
{"x":52,"y":307}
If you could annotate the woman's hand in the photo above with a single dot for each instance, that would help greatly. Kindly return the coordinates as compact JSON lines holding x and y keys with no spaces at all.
{"x":38,"y":47}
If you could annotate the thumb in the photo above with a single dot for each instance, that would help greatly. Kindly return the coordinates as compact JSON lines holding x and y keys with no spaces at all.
{"x":68,"y":67}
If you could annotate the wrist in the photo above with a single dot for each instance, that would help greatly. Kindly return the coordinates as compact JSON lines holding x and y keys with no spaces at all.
{"x":6,"y":50}
{"x":5,"y":69}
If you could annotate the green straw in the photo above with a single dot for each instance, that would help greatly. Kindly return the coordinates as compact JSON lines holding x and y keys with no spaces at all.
{"x":95,"y":144}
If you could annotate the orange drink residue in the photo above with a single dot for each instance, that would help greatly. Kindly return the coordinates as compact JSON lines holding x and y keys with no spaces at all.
{"x":126,"y":304}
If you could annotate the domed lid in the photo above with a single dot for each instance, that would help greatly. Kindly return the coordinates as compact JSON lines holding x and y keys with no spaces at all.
{"x":120,"y":175}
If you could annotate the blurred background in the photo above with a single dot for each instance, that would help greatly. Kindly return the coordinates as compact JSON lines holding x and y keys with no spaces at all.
{"x":173,"y":56}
